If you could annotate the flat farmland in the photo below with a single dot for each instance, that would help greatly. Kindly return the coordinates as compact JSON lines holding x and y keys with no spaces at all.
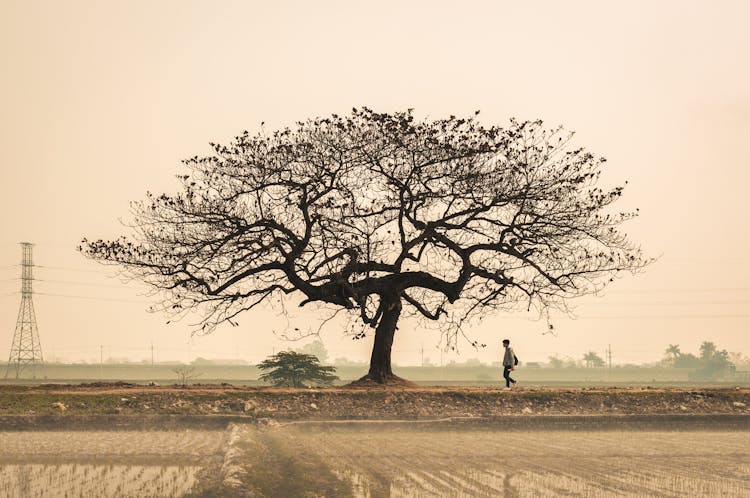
{"x":378,"y":462}
{"x":374,"y":460}
{"x":107,"y":463}
{"x":200,"y":441}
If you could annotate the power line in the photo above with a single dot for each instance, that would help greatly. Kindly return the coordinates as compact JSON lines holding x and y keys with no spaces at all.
{"x":72,"y":282}
{"x":122,"y":286}
{"x":502,"y":317}
{"x":647,"y":317}
{"x":661,"y":303}
{"x":67,"y":268}
{"x":577,"y":304}
{"x":680,"y":290}
{"x":93,"y":298}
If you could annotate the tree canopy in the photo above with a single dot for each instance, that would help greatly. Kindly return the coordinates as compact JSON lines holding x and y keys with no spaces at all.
{"x":315,"y":348}
{"x":381,"y":215}
{"x":292,"y":369}
{"x":711,"y":363}
{"x":593,"y":360}
{"x":673,"y":350}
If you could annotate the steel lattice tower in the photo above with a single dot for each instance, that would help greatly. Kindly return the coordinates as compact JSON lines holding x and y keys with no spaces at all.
{"x":26,"y":351}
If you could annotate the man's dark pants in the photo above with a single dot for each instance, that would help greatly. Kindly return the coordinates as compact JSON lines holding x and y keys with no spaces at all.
{"x":506,"y":374}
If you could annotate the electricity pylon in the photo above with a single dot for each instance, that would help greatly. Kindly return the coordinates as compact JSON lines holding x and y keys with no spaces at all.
{"x":26,"y":351}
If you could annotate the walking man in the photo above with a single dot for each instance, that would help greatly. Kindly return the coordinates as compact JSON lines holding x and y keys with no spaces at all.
{"x":509,"y":363}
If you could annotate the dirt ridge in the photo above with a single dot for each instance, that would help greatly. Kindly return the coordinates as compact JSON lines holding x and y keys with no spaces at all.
{"x":256,"y":404}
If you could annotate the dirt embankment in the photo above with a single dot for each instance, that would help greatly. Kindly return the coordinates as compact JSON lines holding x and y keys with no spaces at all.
{"x":361,"y":404}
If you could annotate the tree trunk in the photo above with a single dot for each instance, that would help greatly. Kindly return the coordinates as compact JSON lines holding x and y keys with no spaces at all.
{"x":380,"y":361}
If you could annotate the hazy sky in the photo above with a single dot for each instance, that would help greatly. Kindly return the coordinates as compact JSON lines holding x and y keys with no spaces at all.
{"x":101,"y":100}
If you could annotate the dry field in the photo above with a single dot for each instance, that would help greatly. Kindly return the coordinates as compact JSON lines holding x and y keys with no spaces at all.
{"x":106,"y":463}
{"x":64,"y":480}
{"x":396,"y":463}
{"x":374,"y":460}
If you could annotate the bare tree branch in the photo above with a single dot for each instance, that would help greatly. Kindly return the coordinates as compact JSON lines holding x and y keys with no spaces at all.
{"x":368,"y":210}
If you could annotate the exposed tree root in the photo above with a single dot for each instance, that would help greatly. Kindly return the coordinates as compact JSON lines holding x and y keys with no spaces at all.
{"x":388,"y":381}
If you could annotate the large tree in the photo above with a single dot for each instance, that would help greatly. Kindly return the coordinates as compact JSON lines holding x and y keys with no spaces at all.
{"x":381,"y":216}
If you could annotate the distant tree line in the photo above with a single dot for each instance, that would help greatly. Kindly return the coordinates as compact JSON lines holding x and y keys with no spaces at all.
{"x":590,"y":360}
{"x":710,"y":362}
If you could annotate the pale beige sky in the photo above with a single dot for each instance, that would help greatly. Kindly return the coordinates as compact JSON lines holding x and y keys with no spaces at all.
{"x":101,"y":101}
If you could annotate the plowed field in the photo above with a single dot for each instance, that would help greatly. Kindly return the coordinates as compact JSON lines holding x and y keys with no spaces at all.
{"x":375,"y":461}
{"x":525,"y":464}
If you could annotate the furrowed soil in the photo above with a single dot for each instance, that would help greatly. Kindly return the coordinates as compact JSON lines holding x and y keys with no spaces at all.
{"x":220,"y":440}
{"x":491,"y":463}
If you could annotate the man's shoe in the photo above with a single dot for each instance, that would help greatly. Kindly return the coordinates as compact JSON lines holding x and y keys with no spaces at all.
{"x":506,"y":389}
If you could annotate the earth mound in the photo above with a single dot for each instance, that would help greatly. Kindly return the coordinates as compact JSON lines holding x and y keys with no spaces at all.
{"x":392,"y":382}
